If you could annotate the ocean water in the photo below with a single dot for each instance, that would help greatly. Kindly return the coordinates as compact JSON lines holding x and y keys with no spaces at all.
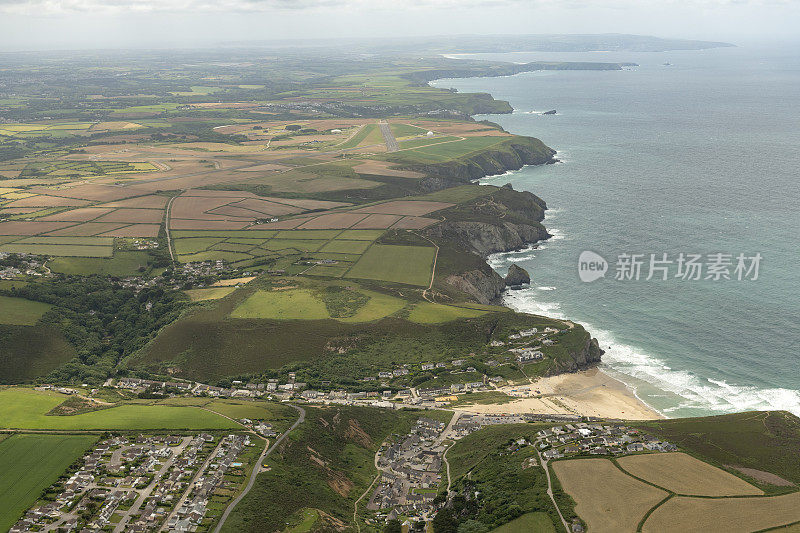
{"x":700,"y":156}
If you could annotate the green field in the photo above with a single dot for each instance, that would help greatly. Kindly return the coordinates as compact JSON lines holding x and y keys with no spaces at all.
{"x":528,"y":523}
{"x":299,"y":304}
{"x":123,"y":263}
{"x":26,"y":409}
{"x":21,"y":312}
{"x":369,"y":134}
{"x":31,"y":463}
{"x":378,"y":306}
{"x":400,"y":264}
{"x":346,"y":247}
{"x":430,"y":313}
{"x":62,"y":250}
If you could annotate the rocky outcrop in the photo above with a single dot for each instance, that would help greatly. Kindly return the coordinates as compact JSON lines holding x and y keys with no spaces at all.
{"x":584,"y":358}
{"x":484,"y":286}
{"x":485,"y":238}
{"x":517,"y":276}
{"x":512,"y":154}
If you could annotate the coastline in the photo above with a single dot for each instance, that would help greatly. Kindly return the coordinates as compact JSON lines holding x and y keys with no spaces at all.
{"x":590,"y":392}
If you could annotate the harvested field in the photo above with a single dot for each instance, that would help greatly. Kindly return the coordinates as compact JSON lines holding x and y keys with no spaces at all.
{"x":308,"y":234}
{"x":91,"y":241}
{"x":196,"y":207}
{"x":763,"y":477}
{"x":267,"y":207}
{"x":43,"y":200}
{"x":414,"y":223}
{"x":88,"y":229}
{"x":683,"y":474}
{"x":62,"y":250}
{"x":134,"y":216}
{"x":96,"y":193}
{"x":143,"y":202}
{"x":215,"y":293}
{"x":377,"y":222}
{"x":229,"y":211}
{"x":266,"y":167}
{"x":135,"y":230}
{"x":618,"y":506}
{"x":177,"y":223}
{"x":307,"y":204}
{"x":404,"y":207}
{"x":333,"y":221}
{"x":381,"y":168}
{"x":233,"y":281}
{"x":283,"y":224}
{"x":24,"y":227}
{"x":82,"y":214}
{"x":732,"y":515}
{"x":217,"y":194}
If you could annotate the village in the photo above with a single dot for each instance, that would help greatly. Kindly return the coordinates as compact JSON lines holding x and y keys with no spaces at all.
{"x":144,"y":483}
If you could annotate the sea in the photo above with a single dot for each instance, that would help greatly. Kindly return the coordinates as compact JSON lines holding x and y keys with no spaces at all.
{"x":690,"y":152}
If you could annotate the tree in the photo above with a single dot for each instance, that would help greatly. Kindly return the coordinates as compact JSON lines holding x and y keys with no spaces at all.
{"x":393,"y":526}
{"x":445,"y":522}
{"x":292,"y":127}
{"x":472,"y":526}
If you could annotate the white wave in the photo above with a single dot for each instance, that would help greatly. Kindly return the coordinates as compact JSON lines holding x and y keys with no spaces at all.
{"x":698,"y":394}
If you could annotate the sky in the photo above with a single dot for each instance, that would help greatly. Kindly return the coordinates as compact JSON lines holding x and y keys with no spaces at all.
{"x":79,"y":24}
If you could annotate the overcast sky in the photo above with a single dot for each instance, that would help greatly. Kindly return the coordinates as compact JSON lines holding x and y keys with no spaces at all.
{"x":59,"y":24}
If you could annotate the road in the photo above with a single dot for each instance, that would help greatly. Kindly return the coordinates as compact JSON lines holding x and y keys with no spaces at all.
{"x":267,"y":450}
{"x":543,"y":462}
{"x":388,"y":137}
{"x":143,"y":495}
{"x":198,"y":474}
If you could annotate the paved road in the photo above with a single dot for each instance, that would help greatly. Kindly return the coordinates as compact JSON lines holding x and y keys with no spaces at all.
{"x":143,"y":495}
{"x":388,"y":137}
{"x":257,"y":467}
{"x":543,"y":462}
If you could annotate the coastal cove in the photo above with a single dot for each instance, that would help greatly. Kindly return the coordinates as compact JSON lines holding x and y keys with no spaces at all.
{"x":661,"y":133}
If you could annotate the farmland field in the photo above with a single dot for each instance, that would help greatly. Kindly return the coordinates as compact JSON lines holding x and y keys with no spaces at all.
{"x":732,"y":515}
{"x":619,"y":505}
{"x":21,"y":312}
{"x":400,"y":264}
{"x":31,"y":463}
{"x":211,"y":293}
{"x":26,"y":409}
{"x":300,"y":304}
{"x":683,"y":474}
{"x":123,"y":263}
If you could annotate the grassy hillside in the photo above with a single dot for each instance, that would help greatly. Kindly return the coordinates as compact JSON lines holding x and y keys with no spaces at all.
{"x":27,"y":352}
{"x":765,"y":441}
{"x":326,"y":463}
{"x":341,"y":332}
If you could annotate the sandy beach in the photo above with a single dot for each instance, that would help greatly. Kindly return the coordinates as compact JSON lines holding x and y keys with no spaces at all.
{"x":588,"y":393}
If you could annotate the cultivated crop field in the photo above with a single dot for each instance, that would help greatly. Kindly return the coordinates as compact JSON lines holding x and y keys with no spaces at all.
{"x":734,"y":515}
{"x":607,"y":499}
{"x":399,"y":264}
{"x":683,"y":474}
{"x":31,"y":463}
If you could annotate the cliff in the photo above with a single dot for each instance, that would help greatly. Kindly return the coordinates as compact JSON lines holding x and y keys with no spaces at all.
{"x":502,"y":221}
{"x":511,"y":154}
{"x":586,"y":356}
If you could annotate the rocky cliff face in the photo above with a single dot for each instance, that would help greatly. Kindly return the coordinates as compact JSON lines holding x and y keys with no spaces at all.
{"x":486,"y":286}
{"x":486,"y":238}
{"x":588,"y":356}
{"x":517,"y":276}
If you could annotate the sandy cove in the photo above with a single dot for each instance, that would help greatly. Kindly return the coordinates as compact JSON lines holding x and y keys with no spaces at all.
{"x":587,"y":393}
